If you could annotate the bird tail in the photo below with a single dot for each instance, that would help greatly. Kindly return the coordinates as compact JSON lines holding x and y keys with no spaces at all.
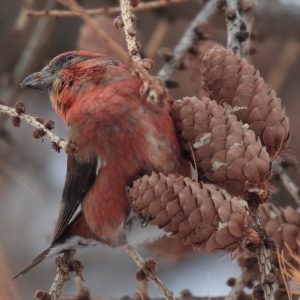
{"x":76,"y":235}
{"x":35,"y":262}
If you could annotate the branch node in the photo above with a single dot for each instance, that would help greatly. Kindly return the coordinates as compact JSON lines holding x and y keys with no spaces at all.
{"x":42,"y":295}
{"x":118,"y":22}
{"x":20,"y":107}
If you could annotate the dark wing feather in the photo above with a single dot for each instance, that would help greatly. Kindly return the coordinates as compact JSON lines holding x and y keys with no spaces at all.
{"x":79,"y":179}
{"x":64,"y":236}
{"x":35,"y":262}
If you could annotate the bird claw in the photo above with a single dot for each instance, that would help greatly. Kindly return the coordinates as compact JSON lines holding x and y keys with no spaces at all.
{"x":146,"y":221}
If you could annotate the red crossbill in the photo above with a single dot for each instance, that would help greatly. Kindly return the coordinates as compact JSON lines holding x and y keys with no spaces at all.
{"x":118,"y":135}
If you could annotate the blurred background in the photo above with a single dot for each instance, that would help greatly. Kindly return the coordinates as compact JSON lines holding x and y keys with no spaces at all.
{"x":32,"y":174}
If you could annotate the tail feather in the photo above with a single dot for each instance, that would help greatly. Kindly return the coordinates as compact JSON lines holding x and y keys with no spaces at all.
{"x":76,"y":235}
{"x":35,"y":262}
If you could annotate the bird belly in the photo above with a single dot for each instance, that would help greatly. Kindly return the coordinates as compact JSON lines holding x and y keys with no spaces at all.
{"x":73,"y":242}
{"x":134,"y":233}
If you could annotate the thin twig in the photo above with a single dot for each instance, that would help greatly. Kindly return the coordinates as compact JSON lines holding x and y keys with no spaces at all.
{"x":22,"y":18}
{"x":83,"y":293}
{"x":285,"y":61}
{"x":61,"y":276}
{"x":237,"y":32}
{"x":150,"y":273}
{"x":289,"y":184}
{"x":243,"y":297}
{"x":157,"y":37}
{"x":105,"y":10}
{"x":142,"y":292}
{"x":153,"y":89}
{"x":187,"y":41}
{"x":34,"y":123}
{"x":129,"y":31}
{"x":236,"y":36}
{"x":27,"y":58}
{"x":80,"y":12}
{"x":265,"y":266}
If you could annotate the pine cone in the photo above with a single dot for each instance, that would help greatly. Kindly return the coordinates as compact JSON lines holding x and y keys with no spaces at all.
{"x":201,"y":215}
{"x":209,"y":218}
{"x":282,"y":225}
{"x":225,"y":150}
{"x":230,"y":79}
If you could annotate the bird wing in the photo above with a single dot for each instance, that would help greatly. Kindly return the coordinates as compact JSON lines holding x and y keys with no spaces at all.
{"x":80,"y":177}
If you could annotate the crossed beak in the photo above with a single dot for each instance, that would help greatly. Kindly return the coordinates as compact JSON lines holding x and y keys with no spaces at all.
{"x":42,"y":80}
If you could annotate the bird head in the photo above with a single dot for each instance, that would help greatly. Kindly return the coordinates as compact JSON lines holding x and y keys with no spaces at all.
{"x":70,"y":74}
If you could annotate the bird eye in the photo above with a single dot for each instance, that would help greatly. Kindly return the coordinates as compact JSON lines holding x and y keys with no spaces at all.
{"x":70,"y":57}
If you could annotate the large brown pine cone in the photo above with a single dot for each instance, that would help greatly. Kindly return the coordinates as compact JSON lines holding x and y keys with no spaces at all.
{"x":201,"y":215}
{"x":226,"y":151}
{"x":233,"y":80}
{"x":209,"y":218}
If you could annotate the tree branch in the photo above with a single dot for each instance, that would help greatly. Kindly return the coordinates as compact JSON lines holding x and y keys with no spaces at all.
{"x":152,"y":89}
{"x":187,"y":41}
{"x":105,"y":10}
{"x":129,"y":31}
{"x":62,"y":275}
{"x":265,"y":266}
{"x":237,"y":32}
{"x":149,"y":272}
{"x":27,"y":58}
{"x":243,"y":297}
{"x":289,"y":184}
{"x":34,"y":123}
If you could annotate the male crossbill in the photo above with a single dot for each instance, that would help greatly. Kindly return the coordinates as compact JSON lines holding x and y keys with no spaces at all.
{"x":118,"y":135}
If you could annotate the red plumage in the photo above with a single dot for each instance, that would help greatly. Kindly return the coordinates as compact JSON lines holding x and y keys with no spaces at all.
{"x":118,"y":135}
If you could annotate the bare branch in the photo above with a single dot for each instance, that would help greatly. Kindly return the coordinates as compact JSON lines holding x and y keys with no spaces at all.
{"x":265,"y":266}
{"x":22,"y":18}
{"x":150,"y":273}
{"x":243,"y":297}
{"x":187,"y":41}
{"x":27,"y":58}
{"x":61,"y":276}
{"x":129,"y":31}
{"x":154,"y":90}
{"x":34,"y":123}
{"x":158,"y":35}
{"x":237,"y":32}
{"x":105,"y":10}
{"x":80,"y":12}
{"x":289,"y":184}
